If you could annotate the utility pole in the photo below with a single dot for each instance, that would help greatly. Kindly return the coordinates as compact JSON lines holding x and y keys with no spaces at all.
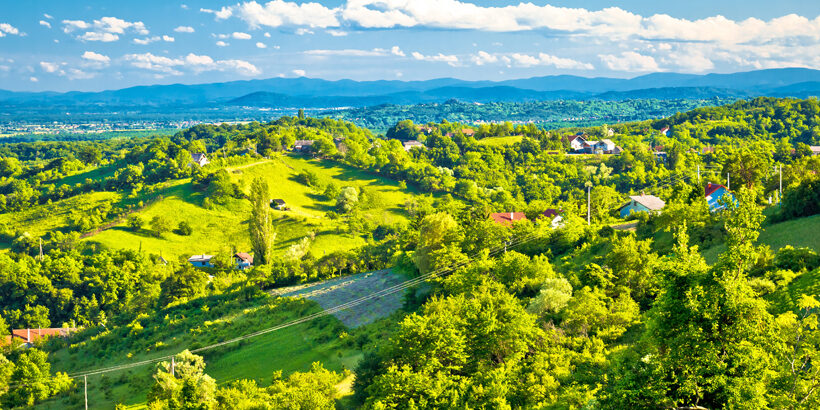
{"x":728,"y":182}
{"x":698,"y":174}
{"x":41,"y":249}
{"x":85,"y":382}
{"x":173,"y":363}
{"x":589,"y":201}
{"x":780,"y":196}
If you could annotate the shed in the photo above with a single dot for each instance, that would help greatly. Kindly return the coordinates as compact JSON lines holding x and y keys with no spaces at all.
{"x":201,"y":261}
{"x":278,"y":204}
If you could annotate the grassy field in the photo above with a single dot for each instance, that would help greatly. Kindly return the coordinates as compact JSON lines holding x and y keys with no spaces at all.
{"x":801,"y":232}
{"x":44,"y":218}
{"x":225,"y":228}
{"x":500,"y":141}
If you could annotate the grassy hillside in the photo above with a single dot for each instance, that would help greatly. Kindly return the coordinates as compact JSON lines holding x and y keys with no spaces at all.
{"x":500,"y":141}
{"x":224,"y":227}
{"x":801,"y":232}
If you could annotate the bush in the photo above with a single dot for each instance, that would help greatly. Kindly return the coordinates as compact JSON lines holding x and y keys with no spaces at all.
{"x":801,"y":200}
{"x":308,"y":178}
{"x":160,"y":225}
{"x":184,"y":229}
{"x":135,"y":222}
{"x":796,"y":259}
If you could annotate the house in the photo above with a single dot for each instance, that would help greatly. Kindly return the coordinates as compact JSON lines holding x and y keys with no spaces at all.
{"x":642,"y":203}
{"x":576,"y":142}
{"x":617,"y":150}
{"x":201,"y":261}
{"x":303,"y":145}
{"x":26,"y":337}
{"x":507,"y":218}
{"x":161,"y":261}
{"x":713,"y":193}
{"x":556,"y":220}
{"x":610,"y":132}
{"x":468,"y":132}
{"x":243,"y":260}
{"x":606,"y":146}
{"x":199,"y":159}
{"x":815,"y":150}
{"x":408,"y":145}
{"x":278,"y":204}
{"x":665,"y":131}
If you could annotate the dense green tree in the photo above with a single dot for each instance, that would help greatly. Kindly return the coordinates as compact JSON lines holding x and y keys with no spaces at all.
{"x":31,"y":380}
{"x":261,"y":224}
{"x":186,"y":386}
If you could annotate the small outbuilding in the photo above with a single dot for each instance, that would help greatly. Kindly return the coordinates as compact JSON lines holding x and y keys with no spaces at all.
{"x":201,"y":261}
{"x":199,"y":159}
{"x":278,"y":204}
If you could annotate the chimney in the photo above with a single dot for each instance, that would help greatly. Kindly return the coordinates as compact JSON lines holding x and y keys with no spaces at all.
{"x":512,"y":216}
{"x":28,"y":335}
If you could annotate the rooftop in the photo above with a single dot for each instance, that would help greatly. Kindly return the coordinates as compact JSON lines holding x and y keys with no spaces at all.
{"x":651,"y":202}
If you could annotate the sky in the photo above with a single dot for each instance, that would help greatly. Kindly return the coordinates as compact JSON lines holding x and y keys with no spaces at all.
{"x":97,"y":45}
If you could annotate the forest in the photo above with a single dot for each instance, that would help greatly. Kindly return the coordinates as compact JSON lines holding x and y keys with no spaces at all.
{"x":687,"y":309}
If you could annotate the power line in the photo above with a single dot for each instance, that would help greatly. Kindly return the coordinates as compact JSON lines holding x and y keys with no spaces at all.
{"x":326,"y":312}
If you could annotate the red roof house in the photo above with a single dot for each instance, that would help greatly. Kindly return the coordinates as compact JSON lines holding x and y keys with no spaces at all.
{"x":507,"y":218}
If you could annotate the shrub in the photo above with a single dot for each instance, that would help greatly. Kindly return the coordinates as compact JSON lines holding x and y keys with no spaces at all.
{"x":135,"y":222}
{"x":184,"y":229}
{"x":160,"y":225}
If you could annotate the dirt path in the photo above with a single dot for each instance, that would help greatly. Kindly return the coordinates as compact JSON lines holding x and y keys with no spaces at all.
{"x":338,"y":291}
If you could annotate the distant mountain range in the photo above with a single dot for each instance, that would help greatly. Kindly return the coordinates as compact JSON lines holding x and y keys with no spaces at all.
{"x":317,"y":93}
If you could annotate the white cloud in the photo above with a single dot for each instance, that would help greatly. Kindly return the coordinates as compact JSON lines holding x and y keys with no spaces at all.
{"x":221,"y":43}
{"x":221,"y":14}
{"x":299,"y":73}
{"x":49,"y":67}
{"x":106,"y":29}
{"x":241,"y":36}
{"x":337,"y":33}
{"x":33,"y":79}
{"x":260,"y":44}
{"x":193,"y":62}
{"x":449,"y":59}
{"x":167,"y":39}
{"x":45,"y":24}
{"x":267,"y":35}
{"x":48,"y":16}
{"x":302,"y":31}
{"x":6,"y":28}
{"x":96,"y":36}
{"x":77,"y":74}
{"x":95,"y":57}
{"x":184,"y":29}
{"x":543,"y":59}
{"x":396,"y":51}
{"x":146,"y":40}
{"x":484,"y":57}
{"x":278,"y":13}
{"x":630,"y":61}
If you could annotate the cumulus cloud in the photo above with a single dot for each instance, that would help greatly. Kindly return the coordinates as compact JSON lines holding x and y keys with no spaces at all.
{"x":337,"y":33}
{"x":630,"y":61}
{"x":221,"y":14}
{"x":299,"y":73}
{"x":396,"y":51}
{"x":167,"y":39}
{"x":48,"y":16}
{"x":193,"y":62}
{"x":483,"y":57}
{"x":241,"y":36}
{"x":543,"y":59}
{"x":221,"y":43}
{"x":106,"y":29}
{"x":49,"y":67}
{"x":260,"y":44}
{"x":184,"y":29}
{"x":45,"y":24}
{"x":6,"y":28}
{"x":146,"y":40}
{"x":95,"y":57}
{"x":278,"y":13}
{"x":33,"y":79}
{"x":442,"y":58}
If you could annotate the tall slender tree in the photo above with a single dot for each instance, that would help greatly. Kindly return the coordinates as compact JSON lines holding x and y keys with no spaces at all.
{"x":261,"y":223}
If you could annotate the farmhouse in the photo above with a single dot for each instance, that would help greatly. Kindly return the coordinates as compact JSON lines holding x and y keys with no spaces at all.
{"x":201,"y":261}
{"x":665,"y":131}
{"x":199,"y":159}
{"x":408,"y":145}
{"x":713,"y":193}
{"x":642,"y":203}
{"x":303,"y":145}
{"x":28,"y":336}
{"x":278,"y":204}
{"x":243,"y":260}
{"x":507,"y":218}
{"x":815,"y":150}
{"x":576,"y":142}
{"x":468,"y":132}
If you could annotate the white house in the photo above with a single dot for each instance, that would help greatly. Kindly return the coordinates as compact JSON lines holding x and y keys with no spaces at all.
{"x":199,"y":159}
{"x":576,"y":142}
{"x":408,"y":145}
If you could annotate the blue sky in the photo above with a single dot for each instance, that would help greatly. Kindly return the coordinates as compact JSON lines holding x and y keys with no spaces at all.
{"x":96,"y":45}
